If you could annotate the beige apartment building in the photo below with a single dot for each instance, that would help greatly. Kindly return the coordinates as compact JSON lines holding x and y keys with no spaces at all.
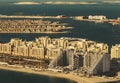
{"x":53,"y":52}
{"x":43,"y":40}
{"x":115,"y":52}
{"x":46,"y":47}
{"x":23,"y":51}
{"x":37,"y":52}
{"x":5,"y":48}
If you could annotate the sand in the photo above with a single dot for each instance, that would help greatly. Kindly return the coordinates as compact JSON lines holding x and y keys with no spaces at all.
{"x":78,"y":79}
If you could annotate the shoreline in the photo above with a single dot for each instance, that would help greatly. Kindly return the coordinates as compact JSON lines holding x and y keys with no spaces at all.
{"x":35,"y":32}
{"x":70,"y":76}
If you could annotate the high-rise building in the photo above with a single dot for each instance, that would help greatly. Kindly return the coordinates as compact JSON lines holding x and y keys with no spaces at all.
{"x":53,"y":52}
{"x":115,"y":52}
{"x":72,"y":59}
{"x":96,"y":62}
{"x":23,"y":51}
{"x":16,"y":41}
{"x":37,"y":52}
{"x":58,"y":60}
{"x":6,"y":48}
{"x":43,"y":40}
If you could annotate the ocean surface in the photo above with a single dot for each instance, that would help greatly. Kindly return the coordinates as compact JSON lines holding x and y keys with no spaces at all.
{"x":105,"y":33}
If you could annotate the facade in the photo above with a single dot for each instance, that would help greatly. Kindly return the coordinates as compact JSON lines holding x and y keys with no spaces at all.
{"x":97,"y":17}
{"x":52,"y":53}
{"x":58,"y":59}
{"x":79,"y":18}
{"x":98,"y":47}
{"x":96,"y":62}
{"x":16,"y":42}
{"x":37,"y":52}
{"x":43,"y":40}
{"x":115,"y":52}
{"x":71,"y":52}
{"x":6,"y":48}
{"x":118,"y":18}
{"x":23,"y":51}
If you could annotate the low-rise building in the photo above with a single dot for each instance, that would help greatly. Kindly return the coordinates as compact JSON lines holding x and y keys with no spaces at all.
{"x":97,"y":17}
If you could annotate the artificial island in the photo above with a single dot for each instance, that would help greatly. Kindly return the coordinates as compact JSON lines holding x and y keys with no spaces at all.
{"x":81,"y":60}
{"x":98,"y":19}
{"x":78,"y":59}
{"x":90,"y":18}
{"x":32,"y":26}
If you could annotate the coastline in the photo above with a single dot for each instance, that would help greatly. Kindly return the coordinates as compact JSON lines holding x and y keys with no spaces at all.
{"x":70,"y":76}
{"x":36,"y":32}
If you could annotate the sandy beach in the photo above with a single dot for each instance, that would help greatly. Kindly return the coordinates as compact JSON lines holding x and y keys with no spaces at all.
{"x":78,"y":79}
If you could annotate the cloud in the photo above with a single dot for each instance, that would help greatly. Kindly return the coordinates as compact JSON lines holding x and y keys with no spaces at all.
{"x":27,"y":3}
{"x":111,"y":2}
{"x":70,"y":3}
{"x":55,"y":2}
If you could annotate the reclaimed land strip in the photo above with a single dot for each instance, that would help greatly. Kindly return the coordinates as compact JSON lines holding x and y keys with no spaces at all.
{"x":4,"y":16}
{"x":61,"y":75}
{"x":38,"y":32}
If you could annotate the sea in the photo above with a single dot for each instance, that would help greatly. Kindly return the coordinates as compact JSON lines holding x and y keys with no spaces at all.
{"x":99,"y":32}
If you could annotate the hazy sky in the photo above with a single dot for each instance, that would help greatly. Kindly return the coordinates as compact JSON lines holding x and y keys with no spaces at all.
{"x":59,"y":0}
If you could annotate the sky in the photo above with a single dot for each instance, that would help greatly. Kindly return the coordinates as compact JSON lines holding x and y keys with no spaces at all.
{"x":58,"y":0}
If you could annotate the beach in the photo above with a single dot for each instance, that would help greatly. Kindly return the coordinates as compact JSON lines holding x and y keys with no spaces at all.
{"x":70,"y":76}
